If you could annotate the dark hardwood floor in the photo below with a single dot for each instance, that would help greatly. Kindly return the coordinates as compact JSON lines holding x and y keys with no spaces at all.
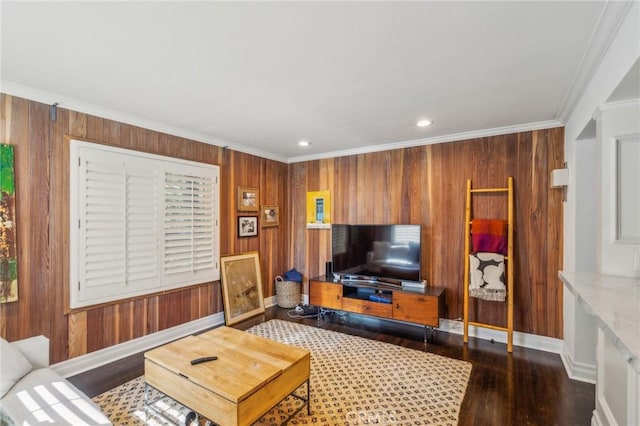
{"x":527,"y":387}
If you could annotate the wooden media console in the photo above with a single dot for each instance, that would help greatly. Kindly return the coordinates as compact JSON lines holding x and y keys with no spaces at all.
{"x":420,"y":306}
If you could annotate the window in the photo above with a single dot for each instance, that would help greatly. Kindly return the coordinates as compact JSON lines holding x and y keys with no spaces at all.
{"x":404,"y":234}
{"x":140,"y":223}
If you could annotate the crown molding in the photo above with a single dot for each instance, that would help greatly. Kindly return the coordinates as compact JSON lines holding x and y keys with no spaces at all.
{"x":609,"y":22}
{"x":49,"y":98}
{"x":609,"y":106}
{"x":496,"y":131}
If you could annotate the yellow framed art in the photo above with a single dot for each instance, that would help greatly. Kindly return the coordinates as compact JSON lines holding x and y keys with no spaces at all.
{"x":318,"y":209}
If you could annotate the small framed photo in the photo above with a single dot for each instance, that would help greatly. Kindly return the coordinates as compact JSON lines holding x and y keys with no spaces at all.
{"x":247,"y":226}
{"x":270,"y":216}
{"x":248,"y":199}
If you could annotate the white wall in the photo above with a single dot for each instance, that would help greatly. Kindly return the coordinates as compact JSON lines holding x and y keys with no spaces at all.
{"x":586,"y":173}
{"x":618,"y":140}
{"x":583,"y":201}
{"x":615,"y":64}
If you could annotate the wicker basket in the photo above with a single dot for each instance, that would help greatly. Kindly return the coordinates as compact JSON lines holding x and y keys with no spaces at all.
{"x":287,"y":292}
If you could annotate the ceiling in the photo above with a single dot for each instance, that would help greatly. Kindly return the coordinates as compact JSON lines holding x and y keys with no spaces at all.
{"x":346,"y":76}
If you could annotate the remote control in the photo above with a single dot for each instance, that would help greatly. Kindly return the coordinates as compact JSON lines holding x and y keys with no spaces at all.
{"x":203,"y":359}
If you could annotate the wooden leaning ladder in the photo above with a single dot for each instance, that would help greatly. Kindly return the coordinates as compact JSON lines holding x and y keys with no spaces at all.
{"x":508,"y":259}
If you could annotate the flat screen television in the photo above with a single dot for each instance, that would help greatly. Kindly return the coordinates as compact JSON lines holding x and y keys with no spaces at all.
{"x":376,"y":252}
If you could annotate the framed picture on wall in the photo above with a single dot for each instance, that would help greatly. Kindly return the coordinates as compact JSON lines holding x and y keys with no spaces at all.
{"x":247,"y":226}
{"x":269,"y":216}
{"x":318,"y":210}
{"x":248,"y":199}
{"x":241,"y":287}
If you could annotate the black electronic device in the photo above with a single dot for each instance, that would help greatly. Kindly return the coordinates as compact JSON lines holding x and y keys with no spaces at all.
{"x":328,"y":269}
{"x":203,"y":359}
{"x":376,"y":252}
{"x":305,"y":310}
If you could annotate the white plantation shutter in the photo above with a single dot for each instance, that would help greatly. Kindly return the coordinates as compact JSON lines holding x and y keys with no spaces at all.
{"x":140,"y":223}
{"x":189,"y":217}
{"x":101,"y":228}
{"x":141,"y":231}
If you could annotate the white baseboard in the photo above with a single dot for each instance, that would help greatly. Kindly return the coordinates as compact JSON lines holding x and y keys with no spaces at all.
{"x":525,"y":340}
{"x":595,"y":419}
{"x":104,"y":356}
{"x":577,"y":370}
{"x":603,"y":415}
{"x":270,"y":301}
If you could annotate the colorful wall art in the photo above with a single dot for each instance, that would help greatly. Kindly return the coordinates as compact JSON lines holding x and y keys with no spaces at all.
{"x":318,"y":209}
{"x":8,"y":254}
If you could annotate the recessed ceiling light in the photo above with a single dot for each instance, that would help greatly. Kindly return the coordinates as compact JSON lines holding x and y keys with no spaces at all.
{"x":304,"y":144}
{"x":424,"y":123}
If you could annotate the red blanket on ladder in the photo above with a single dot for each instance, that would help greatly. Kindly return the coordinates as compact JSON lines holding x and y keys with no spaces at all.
{"x":489,"y":235}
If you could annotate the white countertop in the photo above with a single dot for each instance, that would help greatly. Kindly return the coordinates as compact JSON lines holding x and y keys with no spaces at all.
{"x":614,"y":302}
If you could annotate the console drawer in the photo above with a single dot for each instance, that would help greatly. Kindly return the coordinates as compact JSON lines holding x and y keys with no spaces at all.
{"x":327,"y":295}
{"x":417,"y":308}
{"x":367,"y":307}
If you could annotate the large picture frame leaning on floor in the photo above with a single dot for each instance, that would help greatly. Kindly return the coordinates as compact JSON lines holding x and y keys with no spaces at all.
{"x":241,"y":287}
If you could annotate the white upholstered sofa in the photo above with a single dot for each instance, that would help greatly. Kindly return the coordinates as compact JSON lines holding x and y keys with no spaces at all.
{"x":31,"y":393}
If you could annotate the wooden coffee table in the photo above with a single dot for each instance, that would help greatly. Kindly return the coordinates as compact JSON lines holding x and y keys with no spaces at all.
{"x":251,"y":375}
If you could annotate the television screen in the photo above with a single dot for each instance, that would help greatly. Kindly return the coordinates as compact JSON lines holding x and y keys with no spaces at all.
{"x":376,"y":251}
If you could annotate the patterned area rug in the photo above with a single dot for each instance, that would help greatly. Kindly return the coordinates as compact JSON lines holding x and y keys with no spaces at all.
{"x":353,"y":381}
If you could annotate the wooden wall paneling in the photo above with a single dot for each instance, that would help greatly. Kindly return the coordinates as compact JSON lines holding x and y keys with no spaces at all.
{"x":376,"y":184}
{"x":59,"y":236}
{"x":139,"y":318}
{"x":125,"y":321}
{"x":95,"y":128}
{"x":338,"y":191}
{"x":185,"y":306}
{"x":423,"y":186}
{"x":428,"y":254}
{"x":19,"y":137}
{"x":193,"y":299}
{"x":419,"y":184}
{"x":297,"y":216}
{"x":433,"y":195}
{"x":554,"y":300}
{"x":153,"y":314}
{"x":78,"y":124}
{"x":36,"y":251}
{"x":77,"y":333}
{"x":273,"y":247}
{"x":449,"y":211}
{"x":95,"y":321}
{"x":534,"y":226}
{"x":435,"y":261}
{"x":210,"y":299}
{"x":228,"y":187}
{"x":359,"y":202}
{"x":5,"y":118}
{"x":168,"y":310}
{"x":394,"y":163}
{"x":215,"y":301}
{"x":351,"y":202}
